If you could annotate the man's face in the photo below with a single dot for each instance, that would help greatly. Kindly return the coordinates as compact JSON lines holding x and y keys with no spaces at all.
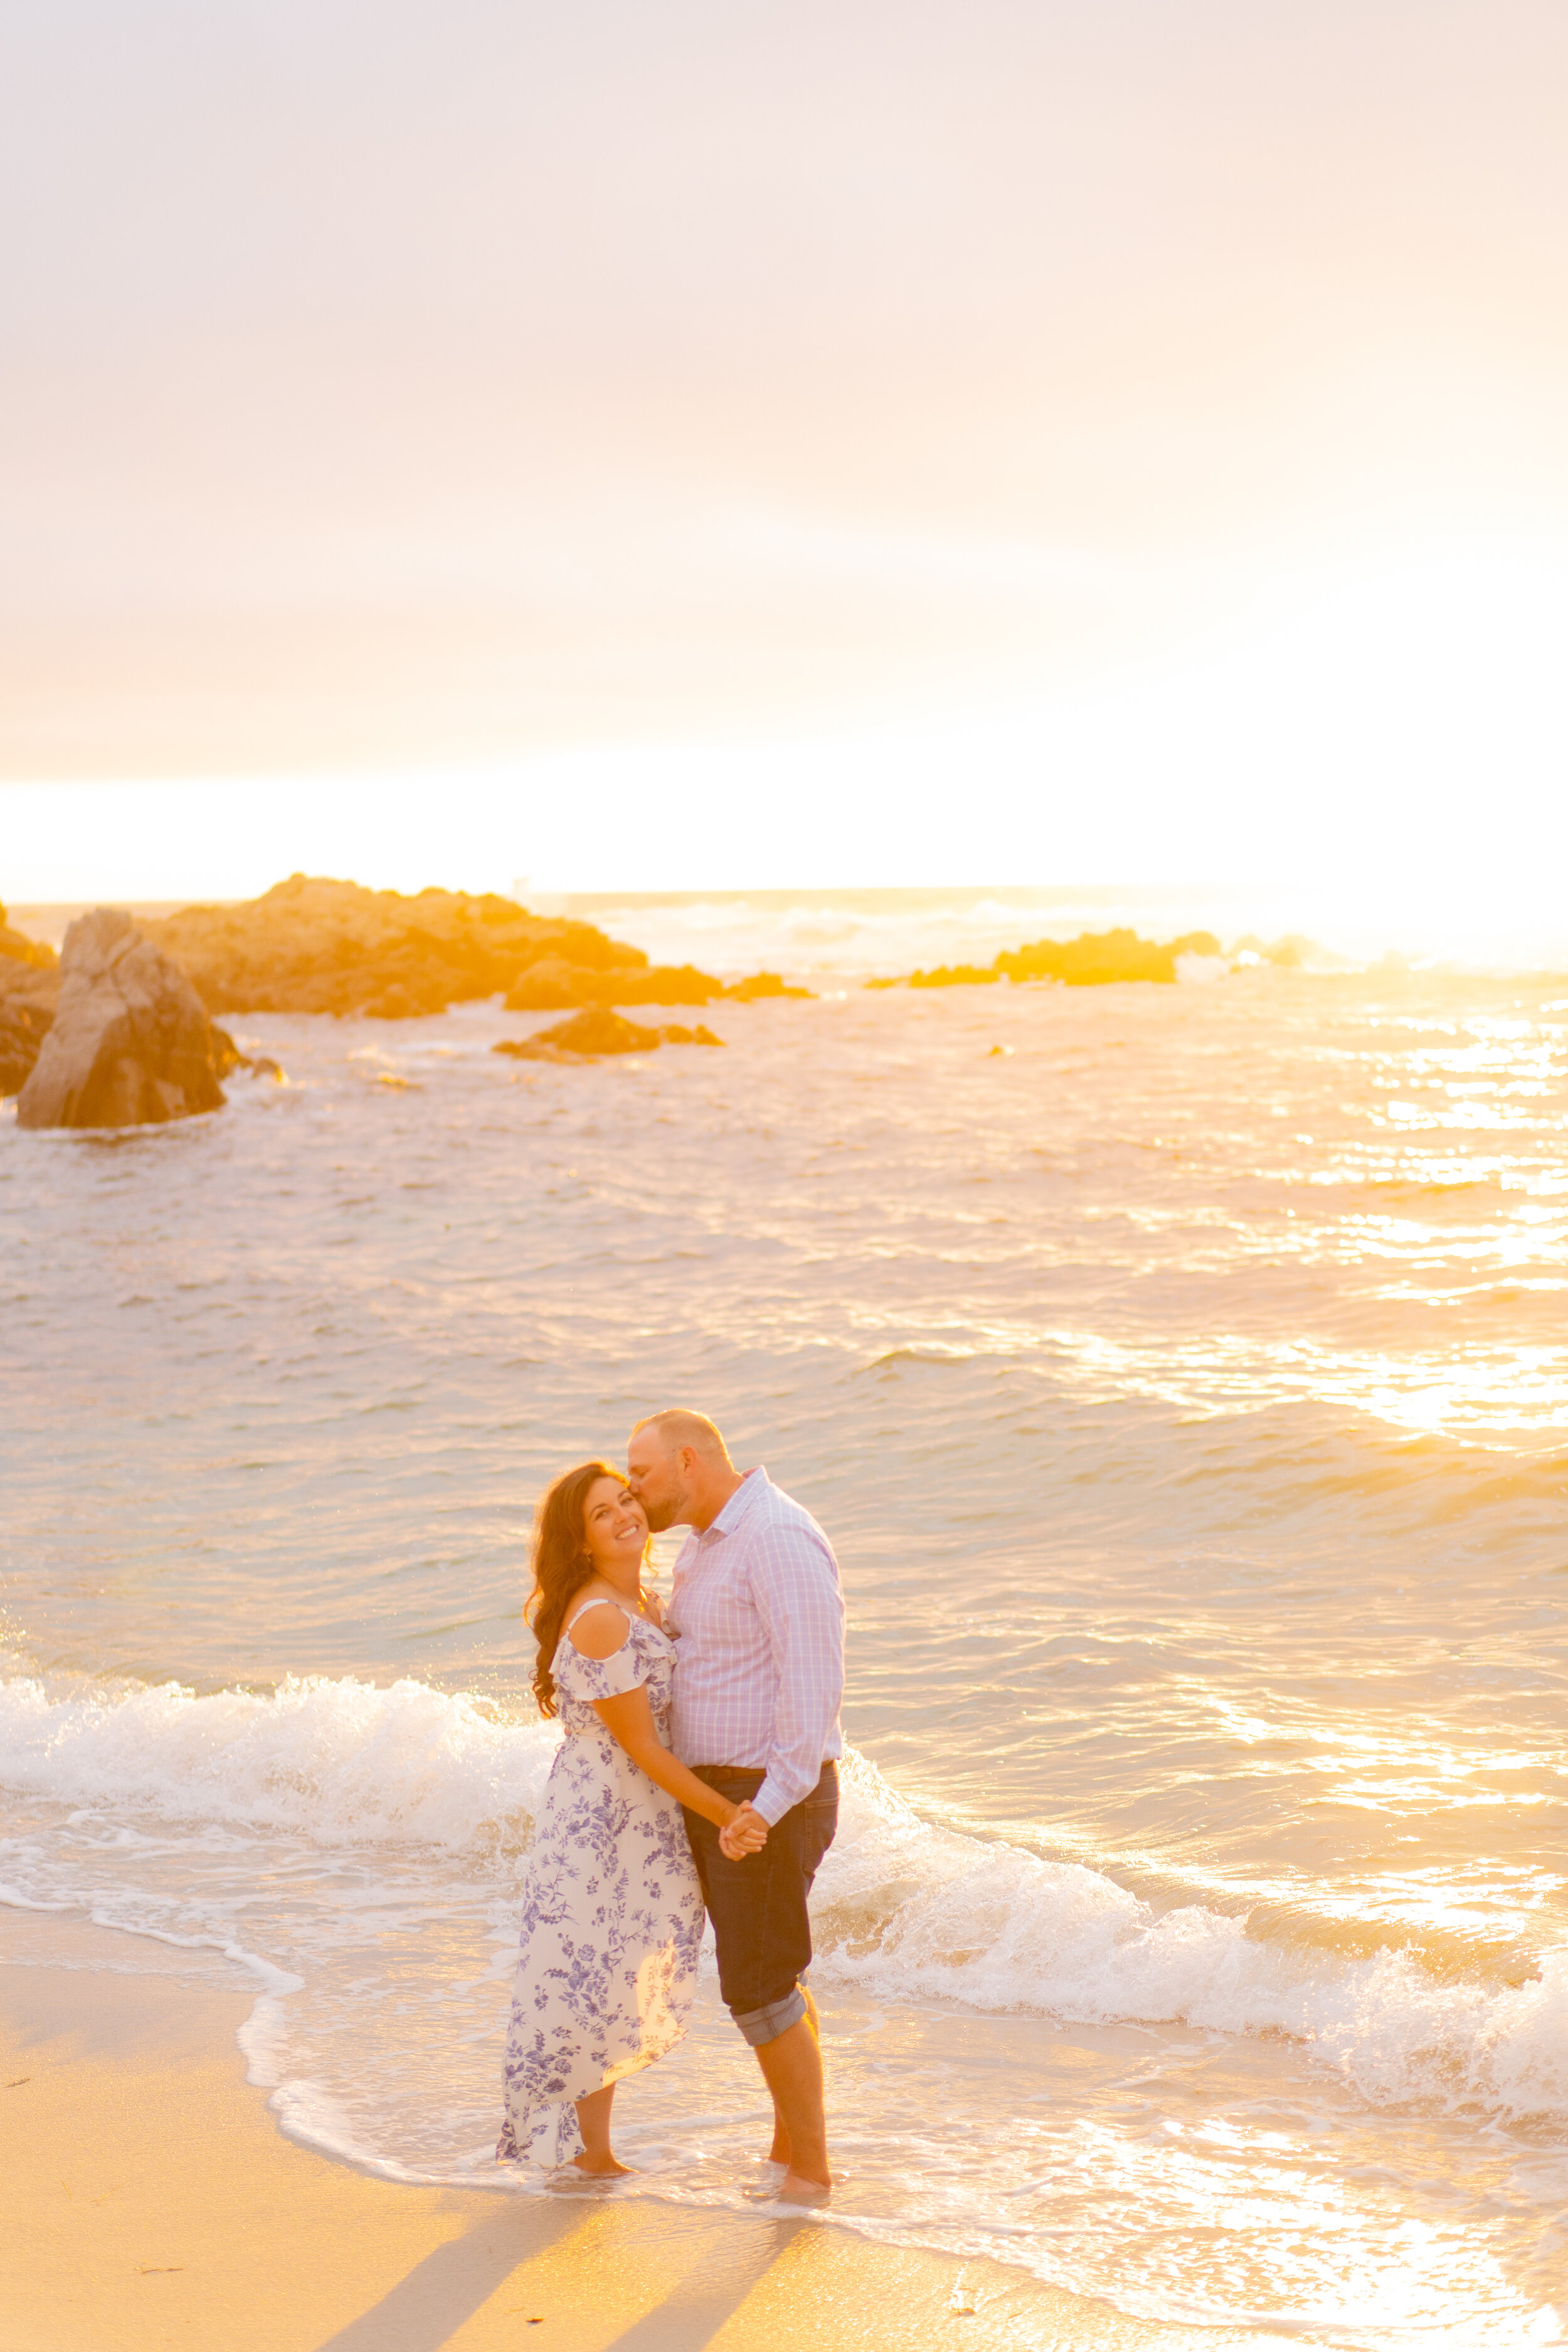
{"x":654,"y":1470}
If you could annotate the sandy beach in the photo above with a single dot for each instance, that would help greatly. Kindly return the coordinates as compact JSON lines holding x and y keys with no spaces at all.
{"x":151,"y":2202}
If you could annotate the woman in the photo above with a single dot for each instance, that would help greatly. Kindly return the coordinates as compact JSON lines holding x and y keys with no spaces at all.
{"x":612,"y":1911}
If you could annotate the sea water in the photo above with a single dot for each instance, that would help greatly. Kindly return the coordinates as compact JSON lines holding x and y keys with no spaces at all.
{"x":1180,"y":1374}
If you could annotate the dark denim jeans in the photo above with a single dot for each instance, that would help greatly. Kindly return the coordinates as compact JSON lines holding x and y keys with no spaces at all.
{"x":758,"y":1906}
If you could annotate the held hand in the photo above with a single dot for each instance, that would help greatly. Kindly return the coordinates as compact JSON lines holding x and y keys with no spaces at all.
{"x":745,"y":1832}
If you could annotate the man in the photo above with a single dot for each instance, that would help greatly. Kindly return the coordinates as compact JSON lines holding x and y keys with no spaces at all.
{"x":759,"y":1613}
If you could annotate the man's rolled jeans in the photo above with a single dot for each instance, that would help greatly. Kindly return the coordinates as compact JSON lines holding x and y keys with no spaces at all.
{"x":758,"y":1906}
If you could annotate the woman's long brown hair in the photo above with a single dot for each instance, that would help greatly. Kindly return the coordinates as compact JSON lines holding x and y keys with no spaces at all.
{"x":562,"y":1566}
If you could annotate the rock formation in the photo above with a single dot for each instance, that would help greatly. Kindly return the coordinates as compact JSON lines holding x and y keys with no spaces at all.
{"x":131,"y":1043}
{"x":1092,"y":959}
{"x":550,"y":985}
{"x":311,"y":945}
{"x":764,"y":984}
{"x":553,"y":985}
{"x":597,"y":1031}
{"x":29,"y":991}
{"x":19,"y":949}
{"x":1095,"y":958}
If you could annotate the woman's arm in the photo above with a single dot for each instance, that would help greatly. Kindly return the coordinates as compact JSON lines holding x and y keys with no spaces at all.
{"x":599,"y":1633}
{"x":630,"y":1718}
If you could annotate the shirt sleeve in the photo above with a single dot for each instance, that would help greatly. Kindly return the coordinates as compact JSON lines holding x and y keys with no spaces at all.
{"x":591,"y":1678}
{"x":794,"y":1587}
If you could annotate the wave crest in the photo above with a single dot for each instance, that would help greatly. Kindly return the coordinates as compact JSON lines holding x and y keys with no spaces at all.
{"x":340,"y":1762}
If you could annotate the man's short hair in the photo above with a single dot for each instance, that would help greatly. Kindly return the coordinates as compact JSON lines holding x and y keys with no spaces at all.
{"x":678,"y":1427}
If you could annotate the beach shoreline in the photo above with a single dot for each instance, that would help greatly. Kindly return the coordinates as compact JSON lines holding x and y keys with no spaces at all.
{"x":152,"y":2200}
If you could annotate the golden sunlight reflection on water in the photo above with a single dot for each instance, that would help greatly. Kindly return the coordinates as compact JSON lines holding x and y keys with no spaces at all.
{"x":1186,"y":1392}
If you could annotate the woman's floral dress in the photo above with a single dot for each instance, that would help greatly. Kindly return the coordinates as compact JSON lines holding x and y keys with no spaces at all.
{"x":612,"y":1911}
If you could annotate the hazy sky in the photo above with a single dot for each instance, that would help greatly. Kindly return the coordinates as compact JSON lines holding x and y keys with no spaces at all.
{"x":1110,"y":435}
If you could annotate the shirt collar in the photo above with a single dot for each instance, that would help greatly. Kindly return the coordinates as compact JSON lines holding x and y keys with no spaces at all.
{"x":743,"y":1500}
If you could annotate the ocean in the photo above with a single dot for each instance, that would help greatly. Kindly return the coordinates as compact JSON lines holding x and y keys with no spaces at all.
{"x":1182,"y":1376}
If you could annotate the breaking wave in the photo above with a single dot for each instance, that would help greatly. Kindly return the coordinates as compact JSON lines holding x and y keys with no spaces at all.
{"x":907,"y":1909}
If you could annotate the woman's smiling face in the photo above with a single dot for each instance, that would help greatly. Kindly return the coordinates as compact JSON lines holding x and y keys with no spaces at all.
{"x":614,"y":1525}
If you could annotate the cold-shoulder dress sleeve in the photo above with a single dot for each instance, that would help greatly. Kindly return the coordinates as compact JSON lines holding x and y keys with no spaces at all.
{"x":587,"y":1679}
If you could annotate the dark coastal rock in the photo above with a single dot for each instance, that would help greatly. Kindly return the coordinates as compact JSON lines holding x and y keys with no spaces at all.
{"x":662,"y":983}
{"x":597,"y":1031}
{"x":314,"y":945}
{"x":1097,"y":958}
{"x":226,"y":1056}
{"x":1093,"y":960}
{"x":15,"y":947}
{"x":953,"y":975}
{"x":550,"y":985}
{"x":553,"y":985}
{"x":529,"y":1049}
{"x":29,"y":991}
{"x":27,"y":1001}
{"x":764,"y":984}
{"x":131,"y":1045}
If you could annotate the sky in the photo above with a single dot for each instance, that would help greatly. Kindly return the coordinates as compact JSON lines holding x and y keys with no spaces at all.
{"x":684,"y":445}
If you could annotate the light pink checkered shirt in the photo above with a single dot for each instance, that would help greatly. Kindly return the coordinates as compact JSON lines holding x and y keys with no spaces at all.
{"x":757,"y":1607}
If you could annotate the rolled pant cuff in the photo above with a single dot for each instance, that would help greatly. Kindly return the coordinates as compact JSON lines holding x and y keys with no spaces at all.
{"x":760,"y":2025}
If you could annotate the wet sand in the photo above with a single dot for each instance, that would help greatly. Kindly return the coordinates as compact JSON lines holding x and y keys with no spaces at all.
{"x":150,"y":2200}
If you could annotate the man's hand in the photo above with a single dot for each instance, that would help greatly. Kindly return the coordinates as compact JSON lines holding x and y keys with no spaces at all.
{"x":745,"y":1832}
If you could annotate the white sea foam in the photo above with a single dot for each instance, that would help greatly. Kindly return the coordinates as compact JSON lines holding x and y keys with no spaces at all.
{"x":340,"y":1762}
{"x":910,"y":1910}
{"x":907,"y":1909}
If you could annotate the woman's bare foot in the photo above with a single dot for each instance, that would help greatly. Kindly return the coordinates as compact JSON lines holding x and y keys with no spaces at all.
{"x":593,"y":2127}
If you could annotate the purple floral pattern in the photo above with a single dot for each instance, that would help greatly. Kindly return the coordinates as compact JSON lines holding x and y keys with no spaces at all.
{"x":612,"y":1911}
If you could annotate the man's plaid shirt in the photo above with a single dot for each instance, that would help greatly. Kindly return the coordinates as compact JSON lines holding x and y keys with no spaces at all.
{"x":759,"y":1612}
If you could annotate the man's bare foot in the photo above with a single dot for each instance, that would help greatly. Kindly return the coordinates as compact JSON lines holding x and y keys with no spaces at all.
{"x":600,"y":2166}
{"x":794,"y":2190}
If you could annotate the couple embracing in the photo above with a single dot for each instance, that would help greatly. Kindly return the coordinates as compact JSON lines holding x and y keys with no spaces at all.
{"x":698,"y":1770}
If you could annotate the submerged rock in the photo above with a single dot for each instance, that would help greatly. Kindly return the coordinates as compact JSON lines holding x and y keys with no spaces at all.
{"x":131,"y":1044}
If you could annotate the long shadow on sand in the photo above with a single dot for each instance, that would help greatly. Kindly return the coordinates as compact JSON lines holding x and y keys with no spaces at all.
{"x":425,"y":2310}
{"x":715,"y":2286}
{"x":428,"y":2307}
